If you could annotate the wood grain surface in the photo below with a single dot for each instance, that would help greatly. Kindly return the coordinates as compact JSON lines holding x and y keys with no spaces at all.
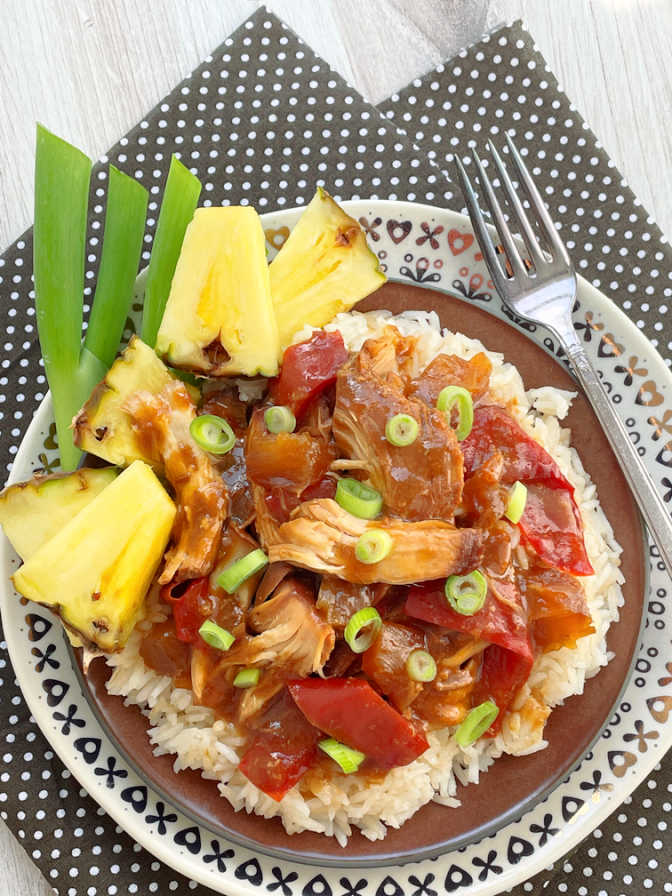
{"x":90,"y":69}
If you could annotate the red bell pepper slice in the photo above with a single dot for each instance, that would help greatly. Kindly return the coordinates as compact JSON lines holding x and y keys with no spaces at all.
{"x":308,"y":368}
{"x":349,"y":710}
{"x":494,"y":429}
{"x":281,"y":750}
{"x":191,"y":607}
{"x":275,"y":769}
{"x":552,"y":525}
{"x":502,"y":674}
{"x":502,"y":622}
{"x":508,"y":660}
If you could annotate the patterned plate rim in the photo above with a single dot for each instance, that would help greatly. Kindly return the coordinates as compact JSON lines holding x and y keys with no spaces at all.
{"x":507,"y":856}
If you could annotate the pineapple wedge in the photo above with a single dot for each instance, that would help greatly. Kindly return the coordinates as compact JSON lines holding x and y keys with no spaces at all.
{"x":103,"y":427}
{"x":219,"y":316}
{"x":325,"y":267}
{"x":96,"y":571}
{"x":33,"y":512}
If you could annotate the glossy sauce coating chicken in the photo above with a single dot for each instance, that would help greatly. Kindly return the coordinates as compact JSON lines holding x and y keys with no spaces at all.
{"x":321,"y":536}
{"x":162,"y":426}
{"x":441,"y":517}
{"x":420,"y":481}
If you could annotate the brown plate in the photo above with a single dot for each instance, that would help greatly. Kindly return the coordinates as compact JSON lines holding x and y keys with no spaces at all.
{"x":512,"y":785}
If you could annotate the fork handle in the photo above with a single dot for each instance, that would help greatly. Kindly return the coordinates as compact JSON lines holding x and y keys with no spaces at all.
{"x":651,"y":505}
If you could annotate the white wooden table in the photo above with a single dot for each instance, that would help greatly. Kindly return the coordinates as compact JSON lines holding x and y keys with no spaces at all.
{"x":89,"y":70}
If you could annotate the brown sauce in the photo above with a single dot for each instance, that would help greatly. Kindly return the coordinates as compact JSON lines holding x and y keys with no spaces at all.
{"x":421,"y":482}
{"x":163,"y":652}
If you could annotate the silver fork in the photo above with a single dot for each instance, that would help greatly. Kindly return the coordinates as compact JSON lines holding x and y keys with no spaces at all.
{"x":545,"y":294}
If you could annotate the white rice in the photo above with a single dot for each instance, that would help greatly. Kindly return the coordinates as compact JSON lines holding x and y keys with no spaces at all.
{"x":198,"y":741}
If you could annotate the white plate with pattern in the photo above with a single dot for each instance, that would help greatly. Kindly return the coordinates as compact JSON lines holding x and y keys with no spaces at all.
{"x":429,"y":247}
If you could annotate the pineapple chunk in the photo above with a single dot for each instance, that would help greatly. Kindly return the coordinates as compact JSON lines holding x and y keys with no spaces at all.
{"x":219,"y":316}
{"x":103,"y":427}
{"x":96,"y":571}
{"x":34,"y":511}
{"x":325,"y":267}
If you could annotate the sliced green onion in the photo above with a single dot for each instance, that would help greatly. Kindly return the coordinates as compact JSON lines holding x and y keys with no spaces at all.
{"x":373,"y":546}
{"x":421,"y":666}
{"x":348,"y":759}
{"x":516,"y":504}
{"x":233,"y":576}
{"x":212,"y":434}
{"x":279,"y":419}
{"x":215,"y":635}
{"x":401,"y":430}
{"x":59,"y":240}
{"x":362,"y":629}
{"x":476,"y":723}
{"x":247,"y":678}
{"x":177,"y":209}
{"x":358,"y":499}
{"x":456,"y":397}
{"x":119,"y":260}
{"x":466,"y":594}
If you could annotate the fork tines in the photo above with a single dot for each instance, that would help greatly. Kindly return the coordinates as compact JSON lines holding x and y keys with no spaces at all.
{"x":545,"y":259}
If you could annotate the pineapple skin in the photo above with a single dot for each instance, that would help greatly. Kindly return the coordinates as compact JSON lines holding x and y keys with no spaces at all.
{"x":95,"y":572}
{"x":219,"y":318}
{"x":32,"y":512}
{"x":325,"y":267}
{"x":103,"y":427}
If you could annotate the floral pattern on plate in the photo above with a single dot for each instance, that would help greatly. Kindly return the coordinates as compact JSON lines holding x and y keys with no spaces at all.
{"x":431,"y":247}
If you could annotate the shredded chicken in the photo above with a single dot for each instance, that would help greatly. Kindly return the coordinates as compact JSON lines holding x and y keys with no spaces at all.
{"x":419,"y":481}
{"x":161,"y":423}
{"x":471,"y":648}
{"x":202,"y":664}
{"x":283,"y":483}
{"x":343,"y":463}
{"x":391,"y":352}
{"x":253,"y":700}
{"x":317,"y":420}
{"x":273,"y":576}
{"x":321,"y":536}
{"x":264,"y":521}
{"x":212,"y":686}
{"x":234,"y":545}
{"x":289,"y":640}
{"x":290,"y":634}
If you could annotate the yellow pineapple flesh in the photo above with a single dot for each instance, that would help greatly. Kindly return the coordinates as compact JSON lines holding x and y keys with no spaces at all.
{"x":103,"y":427}
{"x":219,"y":316}
{"x":34,"y":511}
{"x":96,"y":571}
{"x":325,"y":267}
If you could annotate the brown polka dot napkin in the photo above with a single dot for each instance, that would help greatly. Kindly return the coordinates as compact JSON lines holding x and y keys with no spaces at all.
{"x":262,"y":121}
{"x":503,"y":84}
